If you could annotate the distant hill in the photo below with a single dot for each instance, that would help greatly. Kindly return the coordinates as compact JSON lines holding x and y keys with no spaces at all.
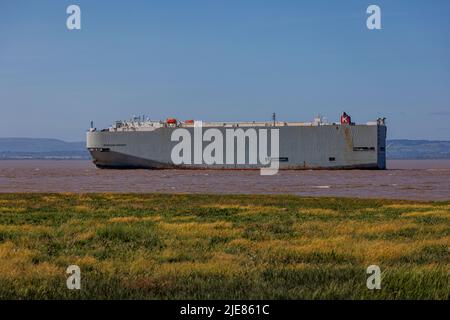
{"x":37,"y":148}
{"x":29,"y":148}
{"x":417,"y":149}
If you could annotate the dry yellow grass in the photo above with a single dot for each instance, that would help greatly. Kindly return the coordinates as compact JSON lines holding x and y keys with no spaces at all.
{"x":16,"y":263}
{"x":26,"y":229}
{"x":407,"y":206}
{"x":12,"y":210}
{"x":320,"y":212}
{"x":220,"y":264}
{"x":133,"y":219}
{"x":430,"y":213}
{"x":166,"y":246}
{"x":199,"y":230}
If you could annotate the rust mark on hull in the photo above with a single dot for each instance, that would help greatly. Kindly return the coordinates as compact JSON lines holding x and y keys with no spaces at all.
{"x":348,"y":138}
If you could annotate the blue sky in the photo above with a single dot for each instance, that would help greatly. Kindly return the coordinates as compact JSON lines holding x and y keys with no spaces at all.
{"x":223,"y":60}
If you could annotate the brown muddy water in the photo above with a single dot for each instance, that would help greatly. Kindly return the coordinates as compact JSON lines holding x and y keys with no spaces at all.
{"x":405,"y":179}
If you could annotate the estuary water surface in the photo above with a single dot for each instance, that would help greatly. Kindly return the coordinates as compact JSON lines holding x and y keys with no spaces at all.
{"x":405,"y":179}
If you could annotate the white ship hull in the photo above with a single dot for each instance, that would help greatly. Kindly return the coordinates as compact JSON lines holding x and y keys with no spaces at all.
{"x":300,"y":147}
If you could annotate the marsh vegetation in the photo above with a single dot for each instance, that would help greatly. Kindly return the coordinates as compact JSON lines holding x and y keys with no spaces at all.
{"x":160,"y":246}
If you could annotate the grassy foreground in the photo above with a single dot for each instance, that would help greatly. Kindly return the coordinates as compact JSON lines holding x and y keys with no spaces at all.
{"x":233,"y":247}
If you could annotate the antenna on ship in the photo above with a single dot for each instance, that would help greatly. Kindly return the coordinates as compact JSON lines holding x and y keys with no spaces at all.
{"x":274,"y":118}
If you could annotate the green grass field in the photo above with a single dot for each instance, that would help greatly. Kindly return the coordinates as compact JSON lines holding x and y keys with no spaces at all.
{"x":156,"y":246}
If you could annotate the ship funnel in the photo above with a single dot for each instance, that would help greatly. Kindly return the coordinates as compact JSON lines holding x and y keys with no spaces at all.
{"x":91,"y":129}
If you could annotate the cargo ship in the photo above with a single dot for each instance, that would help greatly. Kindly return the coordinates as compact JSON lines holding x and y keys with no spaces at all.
{"x":142,"y":143}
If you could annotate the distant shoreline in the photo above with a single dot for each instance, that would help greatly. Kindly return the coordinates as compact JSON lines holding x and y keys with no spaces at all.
{"x":50,"y":149}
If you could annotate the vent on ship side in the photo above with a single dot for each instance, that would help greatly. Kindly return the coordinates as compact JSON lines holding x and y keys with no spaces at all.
{"x":280,"y":159}
{"x":99,"y":149}
{"x":364,"y":149}
{"x":331,"y":159}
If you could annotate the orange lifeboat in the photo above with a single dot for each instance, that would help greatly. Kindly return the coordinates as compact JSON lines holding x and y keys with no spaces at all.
{"x":189,"y":121}
{"x":171,"y":121}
